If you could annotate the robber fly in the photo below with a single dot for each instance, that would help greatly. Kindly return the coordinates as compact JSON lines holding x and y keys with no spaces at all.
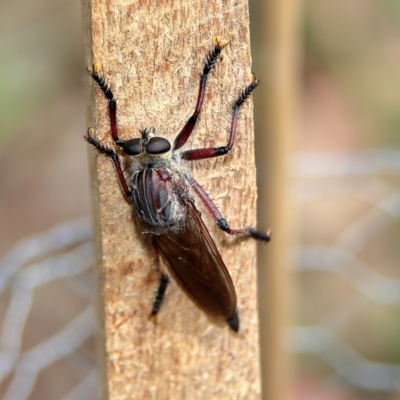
{"x":162,"y":195}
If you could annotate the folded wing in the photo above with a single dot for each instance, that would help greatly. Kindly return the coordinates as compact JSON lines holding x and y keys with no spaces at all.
{"x":196,"y":264}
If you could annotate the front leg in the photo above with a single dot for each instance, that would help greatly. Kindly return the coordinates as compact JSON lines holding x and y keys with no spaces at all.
{"x":201,"y":154}
{"x":115,"y":159}
{"x":94,"y":72}
{"x":212,"y":58}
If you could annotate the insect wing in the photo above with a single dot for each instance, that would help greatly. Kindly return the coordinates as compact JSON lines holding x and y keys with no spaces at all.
{"x":196,"y":264}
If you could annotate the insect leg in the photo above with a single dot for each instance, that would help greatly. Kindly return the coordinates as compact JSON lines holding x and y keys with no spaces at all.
{"x":115,"y":159}
{"x":201,"y":154}
{"x":221,"y":221}
{"x":212,"y":58}
{"x":112,"y":101}
{"x":164,"y":280}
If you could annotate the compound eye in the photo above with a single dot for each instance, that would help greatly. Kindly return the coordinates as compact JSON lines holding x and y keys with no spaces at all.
{"x":132,"y":147}
{"x":158,"y":145}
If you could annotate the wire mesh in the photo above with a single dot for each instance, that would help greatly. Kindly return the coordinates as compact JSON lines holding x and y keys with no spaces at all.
{"x":355,"y":264}
{"x":62,"y":254}
{"x":356,"y":281}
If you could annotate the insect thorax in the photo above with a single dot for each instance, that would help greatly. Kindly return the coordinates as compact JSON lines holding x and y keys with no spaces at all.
{"x":159,"y":197}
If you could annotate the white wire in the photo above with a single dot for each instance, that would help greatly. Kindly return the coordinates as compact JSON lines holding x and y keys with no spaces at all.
{"x":327,"y":176}
{"x":344,"y":359}
{"x":31,"y":249}
{"x":25,"y":281}
{"x":328,"y":165}
{"x":89,"y":384}
{"x":46,"y":353}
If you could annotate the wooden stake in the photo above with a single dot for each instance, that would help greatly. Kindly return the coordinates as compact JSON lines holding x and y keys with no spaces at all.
{"x":151,"y":53}
{"x":277,"y":49}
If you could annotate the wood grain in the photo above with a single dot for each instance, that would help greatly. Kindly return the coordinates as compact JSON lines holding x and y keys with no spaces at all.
{"x":152,"y":53}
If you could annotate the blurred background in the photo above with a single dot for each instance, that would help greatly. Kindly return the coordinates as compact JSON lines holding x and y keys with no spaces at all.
{"x":344,"y":335}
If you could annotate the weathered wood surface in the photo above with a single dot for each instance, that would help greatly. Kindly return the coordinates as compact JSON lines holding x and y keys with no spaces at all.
{"x":151,"y":53}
